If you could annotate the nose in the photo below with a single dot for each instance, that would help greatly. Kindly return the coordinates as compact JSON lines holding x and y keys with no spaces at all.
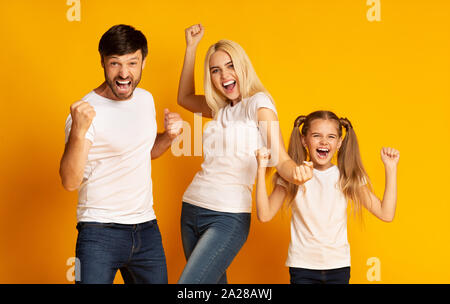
{"x":123,"y":72}
{"x":224,"y":74}
{"x":323,"y":140}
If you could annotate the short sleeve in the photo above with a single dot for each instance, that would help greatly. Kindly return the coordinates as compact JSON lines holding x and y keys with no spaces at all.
{"x":89,"y":133}
{"x":149,"y":96}
{"x":257,"y":101}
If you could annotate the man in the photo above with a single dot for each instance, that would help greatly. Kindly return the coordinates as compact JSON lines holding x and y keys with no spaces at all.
{"x":111,"y":137}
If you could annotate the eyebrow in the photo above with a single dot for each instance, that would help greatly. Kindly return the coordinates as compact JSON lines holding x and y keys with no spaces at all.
{"x":133,"y":58}
{"x":214,"y":67}
{"x":314,"y":133}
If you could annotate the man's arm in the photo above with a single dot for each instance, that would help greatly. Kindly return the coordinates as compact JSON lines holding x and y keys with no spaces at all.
{"x":162,"y":143}
{"x":77,"y":147}
{"x":173,"y":127}
{"x":73,"y":162}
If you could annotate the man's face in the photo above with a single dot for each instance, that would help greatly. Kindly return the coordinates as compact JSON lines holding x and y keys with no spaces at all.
{"x":123,"y":73}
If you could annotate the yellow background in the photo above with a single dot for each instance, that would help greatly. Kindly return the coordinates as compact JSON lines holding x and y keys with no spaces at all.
{"x":390,"y":78}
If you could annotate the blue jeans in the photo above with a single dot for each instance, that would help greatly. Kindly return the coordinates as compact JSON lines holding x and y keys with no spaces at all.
{"x":135,"y":250}
{"x":211,"y":240}
{"x":313,"y":276}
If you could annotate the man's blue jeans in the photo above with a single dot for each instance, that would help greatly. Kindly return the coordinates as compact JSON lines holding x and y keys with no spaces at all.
{"x":103,"y":248}
{"x":211,"y":240}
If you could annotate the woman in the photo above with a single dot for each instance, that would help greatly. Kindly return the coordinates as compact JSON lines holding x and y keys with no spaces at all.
{"x":215,"y":218}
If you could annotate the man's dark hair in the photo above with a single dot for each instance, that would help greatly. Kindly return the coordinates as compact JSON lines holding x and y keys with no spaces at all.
{"x":122,"y":39}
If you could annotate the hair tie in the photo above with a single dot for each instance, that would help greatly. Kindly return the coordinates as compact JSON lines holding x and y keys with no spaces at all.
{"x":299,"y":121}
{"x":346,"y":123}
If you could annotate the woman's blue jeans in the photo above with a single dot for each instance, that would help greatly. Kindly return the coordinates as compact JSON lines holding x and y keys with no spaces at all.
{"x":211,"y":240}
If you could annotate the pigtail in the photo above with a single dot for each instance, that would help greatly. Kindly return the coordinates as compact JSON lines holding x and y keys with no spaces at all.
{"x":353,"y":176}
{"x":297,"y":153}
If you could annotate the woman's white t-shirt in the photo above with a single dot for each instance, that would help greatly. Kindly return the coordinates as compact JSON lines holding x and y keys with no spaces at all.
{"x":319,"y":224}
{"x":228,"y":171}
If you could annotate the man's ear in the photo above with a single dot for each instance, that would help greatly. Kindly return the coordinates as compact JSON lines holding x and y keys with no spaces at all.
{"x":102,"y":62}
{"x":143,"y":63}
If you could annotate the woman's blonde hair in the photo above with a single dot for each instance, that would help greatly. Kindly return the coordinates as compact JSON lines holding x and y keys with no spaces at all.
{"x":249,"y":83}
{"x":353,"y":179}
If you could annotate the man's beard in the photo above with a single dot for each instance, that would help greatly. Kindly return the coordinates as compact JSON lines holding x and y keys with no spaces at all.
{"x":113,"y":86}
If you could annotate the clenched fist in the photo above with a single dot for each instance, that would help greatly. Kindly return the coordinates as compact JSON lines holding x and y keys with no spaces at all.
{"x":194,"y":34}
{"x":82,"y":115}
{"x":262,"y":156}
{"x":173,"y":124}
{"x":303,"y":173}
{"x":390,"y":157}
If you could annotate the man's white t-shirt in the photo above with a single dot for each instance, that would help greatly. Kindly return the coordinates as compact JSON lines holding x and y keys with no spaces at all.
{"x":228,"y":171}
{"x":319,"y":224}
{"x":117,"y":184}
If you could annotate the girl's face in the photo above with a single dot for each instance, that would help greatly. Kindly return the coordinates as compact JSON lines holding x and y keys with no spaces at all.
{"x":224,"y":77}
{"x":322,"y":141}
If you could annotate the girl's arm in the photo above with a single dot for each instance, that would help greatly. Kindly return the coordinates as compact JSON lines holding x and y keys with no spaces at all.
{"x":385,"y":209}
{"x":186,"y":89}
{"x":286,"y":167}
{"x":266,"y":207}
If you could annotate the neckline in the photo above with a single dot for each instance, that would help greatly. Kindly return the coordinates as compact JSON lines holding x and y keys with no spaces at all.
{"x":230,"y":104}
{"x":326,"y":171}
{"x":117,"y":102}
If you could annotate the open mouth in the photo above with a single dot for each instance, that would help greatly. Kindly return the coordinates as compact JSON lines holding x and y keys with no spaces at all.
{"x":322,"y":152}
{"x":229,"y":85}
{"x":123,"y":86}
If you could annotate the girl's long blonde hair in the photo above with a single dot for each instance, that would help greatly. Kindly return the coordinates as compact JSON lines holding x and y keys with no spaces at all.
{"x":249,"y":82}
{"x":353,"y":177}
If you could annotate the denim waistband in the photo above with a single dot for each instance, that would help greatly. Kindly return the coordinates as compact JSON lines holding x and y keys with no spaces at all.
{"x":132,"y":227}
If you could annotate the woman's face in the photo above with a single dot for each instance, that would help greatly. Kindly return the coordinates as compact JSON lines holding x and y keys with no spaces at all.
{"x":224,"y":77}
{"x":322,"y":141}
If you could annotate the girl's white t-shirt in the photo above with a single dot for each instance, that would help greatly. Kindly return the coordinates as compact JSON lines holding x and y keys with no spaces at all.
{"x":228,"y":171}
{"x":319,"y":224}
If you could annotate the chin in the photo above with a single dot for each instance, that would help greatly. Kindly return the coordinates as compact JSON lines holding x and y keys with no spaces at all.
{"x":123,"y":96}
{"x":233,"y":98}
{"x":322,"y":163}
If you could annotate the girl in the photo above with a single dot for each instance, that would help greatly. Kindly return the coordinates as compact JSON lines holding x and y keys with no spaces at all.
{"x":215,"y":218}
{"x":319,"y":251}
